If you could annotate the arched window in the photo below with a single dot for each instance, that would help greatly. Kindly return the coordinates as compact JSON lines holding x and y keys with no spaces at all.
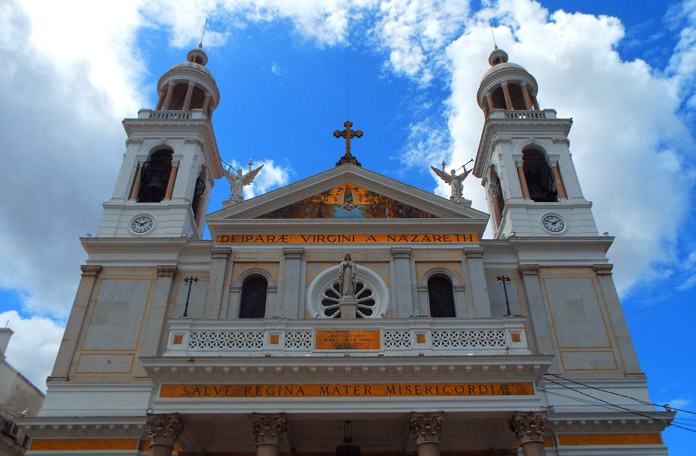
{"x":538,"y":175}
{"x":154,"y":176}
{"x":516,"y":97}
{"x":498,"y":98}
{"x":441,"y":297}
{"x":253,"y":302}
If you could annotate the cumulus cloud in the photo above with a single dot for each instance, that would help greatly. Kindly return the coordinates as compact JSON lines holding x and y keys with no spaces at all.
{"x":33,"y":346}
{"x":270,"y":176}
{"x":61,"y":137}
{"x":642,"y":142}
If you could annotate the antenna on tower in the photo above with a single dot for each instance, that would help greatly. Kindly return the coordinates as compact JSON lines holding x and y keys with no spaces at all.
{"x":200,"y":45}
{"x":490,"y":24}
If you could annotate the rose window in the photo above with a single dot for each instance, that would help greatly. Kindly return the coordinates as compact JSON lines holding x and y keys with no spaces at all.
{"x":363,"y":294}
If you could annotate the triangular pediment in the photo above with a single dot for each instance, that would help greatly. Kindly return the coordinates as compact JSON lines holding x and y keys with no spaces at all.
{"x":347,"y":192}
{"x":347,"y":201}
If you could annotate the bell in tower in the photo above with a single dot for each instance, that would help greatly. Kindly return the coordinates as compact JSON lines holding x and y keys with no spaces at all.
{"x":171,"y":159}
{"x":524,"y":159}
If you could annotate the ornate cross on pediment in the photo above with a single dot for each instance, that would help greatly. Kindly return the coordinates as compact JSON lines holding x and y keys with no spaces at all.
{"x":348,"y":134}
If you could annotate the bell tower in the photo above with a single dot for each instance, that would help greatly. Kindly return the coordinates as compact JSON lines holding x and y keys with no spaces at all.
{"x":171,"y":159}
{"x":524,"y":160}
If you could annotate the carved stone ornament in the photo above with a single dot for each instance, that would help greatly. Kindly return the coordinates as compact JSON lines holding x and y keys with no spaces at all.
{"x":268,"y":428}
{"x":529,"y":426}
{"x":164,"y":429}
{"x":426,"y":427}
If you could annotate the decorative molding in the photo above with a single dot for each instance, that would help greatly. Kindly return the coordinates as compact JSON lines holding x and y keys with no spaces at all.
{"x":268,"y":428}
{"x":528,"y":269}
{"x":472,"y":254}
{"x":426,"y":427}
{"x":164,"y":429}
{"x":90,"y":271}
{"x":529,"y":426}
{"x":220,"y":252}
{"x":293,"y":253}
{"x":401,"y":252}
{"x":602,"y":269}
{"x":167,"y":271}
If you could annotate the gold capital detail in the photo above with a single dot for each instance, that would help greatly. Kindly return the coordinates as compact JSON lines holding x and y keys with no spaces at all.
{"x":268,"y":428}
{"x":528,"y":426}
{"x":164,"y":429}
{"x":348,"y":134}
{"x":426,"y":427}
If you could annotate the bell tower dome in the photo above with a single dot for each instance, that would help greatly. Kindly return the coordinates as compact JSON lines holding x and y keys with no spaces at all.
{"x":171,"y":159}
{"x":524,"y":159}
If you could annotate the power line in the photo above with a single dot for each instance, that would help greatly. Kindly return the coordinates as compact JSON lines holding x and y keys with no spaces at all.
{"x":620,"y":407}
{"x":619,"y":394}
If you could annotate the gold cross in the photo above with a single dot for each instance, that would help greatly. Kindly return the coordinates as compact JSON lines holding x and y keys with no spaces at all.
{"x":348,"y":134}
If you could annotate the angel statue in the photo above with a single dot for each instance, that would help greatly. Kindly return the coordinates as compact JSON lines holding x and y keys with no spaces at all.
{"x":238,"y":181}
{"x":454,"y":180}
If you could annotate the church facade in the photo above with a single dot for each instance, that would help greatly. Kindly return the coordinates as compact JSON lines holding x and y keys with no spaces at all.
{"x":347,"y":312}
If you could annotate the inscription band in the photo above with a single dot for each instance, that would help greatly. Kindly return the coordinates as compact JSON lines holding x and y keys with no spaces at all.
{"x":341,"y":238}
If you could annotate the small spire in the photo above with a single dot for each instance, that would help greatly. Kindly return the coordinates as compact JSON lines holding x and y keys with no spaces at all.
{"x":205,"y":26}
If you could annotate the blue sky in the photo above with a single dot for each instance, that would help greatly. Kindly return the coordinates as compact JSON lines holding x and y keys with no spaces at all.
{"x":406,"y":73}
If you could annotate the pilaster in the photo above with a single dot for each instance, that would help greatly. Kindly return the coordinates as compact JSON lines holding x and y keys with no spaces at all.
{"x":219,"y":257}
{"x":76,"y":321}
{"x":406,"y":306}
{"x":291,"y":289}
{"x":616,"y":316}
{"x":153,"y":326}
{"x":538,"y":316}
{"x":479,"y":289}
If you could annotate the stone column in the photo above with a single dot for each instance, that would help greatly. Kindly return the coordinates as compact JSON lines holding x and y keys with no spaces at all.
{"x":268,"y":431}
{"x":529,"y":428}
{"x":291,"y":288}
{"x":494,"y":194}
{"x":535,"y":103}
{"x":557,"y":179}
{"x":206,"y":102}
{"x":76,"y":320}
{"x":153,"y":326}
{"x":527,"y":99}
{"x":479,"y":289}
{"x":523,"y":179}
{"x":172,"y":179}
{"x":538,"y":319}
{"x":618,"y":321}
{"x":219,"y":258}
{"x":187,"y":99}
{"x":405,"y":304}
{"x":425,"y":430}
{"x":168,"y":97}
{"x":163,"y":430}
{"x":508,"y":99}
{"x":135,"y":189}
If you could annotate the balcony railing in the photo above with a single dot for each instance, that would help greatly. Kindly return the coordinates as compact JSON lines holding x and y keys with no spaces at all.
{"x":523,"y":115}
{"x":416,"y":337}
{"x":171,"y":115}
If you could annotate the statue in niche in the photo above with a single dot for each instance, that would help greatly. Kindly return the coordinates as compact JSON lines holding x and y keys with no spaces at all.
{"x":455,"y":181}
{"x":346,"y":277}
{"x":238,"y":181}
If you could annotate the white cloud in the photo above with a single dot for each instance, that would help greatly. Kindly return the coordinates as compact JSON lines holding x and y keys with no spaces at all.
{"x":270,"y":176}
{"x":33,"y":346}
{"x":626,"y":132}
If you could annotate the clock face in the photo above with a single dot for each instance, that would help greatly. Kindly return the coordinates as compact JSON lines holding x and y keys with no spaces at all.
{"x":553,"y":223}
{"x":141,"y":224}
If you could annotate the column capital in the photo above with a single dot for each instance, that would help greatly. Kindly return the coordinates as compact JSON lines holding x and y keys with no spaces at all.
{"x":602,"y":269}
{"x":528,"y":269}
{"x":401,"y":252}
{"x":268,"y":427}
{"x":528,"y":426}
{"x":167,"y":271}
{"x":426,"y":427}
{"x":220,"y":252}
{"x":478,"y":253}
{"x":164,"y":428}
{"x":553,"y":163}
{"x":90,"y":270}
{"x":519,"y":163}
{"x":294,"y":253}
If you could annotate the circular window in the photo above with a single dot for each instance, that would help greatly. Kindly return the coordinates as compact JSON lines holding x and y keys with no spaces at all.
{"x":371,"y":292}
{"x":363,"y":293}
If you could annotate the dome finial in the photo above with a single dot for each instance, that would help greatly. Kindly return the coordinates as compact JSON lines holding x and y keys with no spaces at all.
{"x":497,"y":57}
{"x":205,"y":26}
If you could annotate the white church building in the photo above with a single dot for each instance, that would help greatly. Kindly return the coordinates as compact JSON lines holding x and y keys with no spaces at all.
{"x":347,"y":312}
